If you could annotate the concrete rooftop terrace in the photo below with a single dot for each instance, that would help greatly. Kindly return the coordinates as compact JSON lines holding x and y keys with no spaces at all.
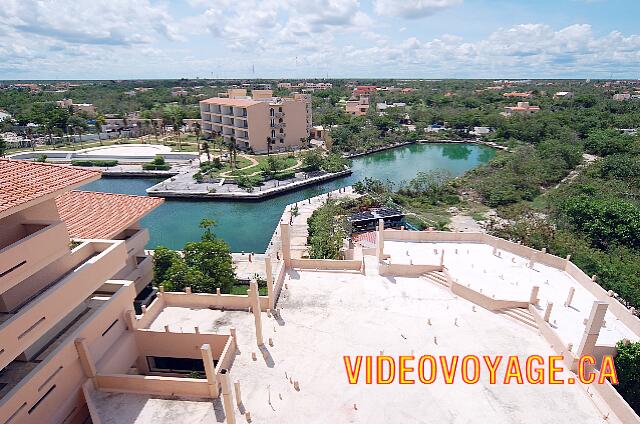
{"x":509,"y":277}
{"x":325,"y":315}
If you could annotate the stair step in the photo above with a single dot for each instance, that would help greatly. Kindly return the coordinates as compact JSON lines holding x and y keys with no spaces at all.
{"x":436,"y":277}
{"x":521,"y":315}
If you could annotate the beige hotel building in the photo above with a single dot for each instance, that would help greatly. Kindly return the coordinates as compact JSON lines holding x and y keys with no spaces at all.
{"x":256,"y":120}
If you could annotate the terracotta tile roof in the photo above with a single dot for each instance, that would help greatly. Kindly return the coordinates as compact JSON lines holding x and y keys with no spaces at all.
{"x":92,"y":215}
{"x":22,"y":182}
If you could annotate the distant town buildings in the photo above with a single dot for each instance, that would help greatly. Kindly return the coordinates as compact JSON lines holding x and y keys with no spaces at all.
{"x":33,"y":88}
{"x":4,"y":115}
{"x":383,"y":106}
{"x":620,"y":97}
{"x":260,"y":122}
{"x":179,"y":92}
{"x":358,"y":106}
{"x":563,"y":95}
{"x":306,"y":85}
{"x":364,"y":89}
{"x":522,"y":108}
{"x":481,"y":131}
{"x":88,"y":108}
{"x":516,"y":94}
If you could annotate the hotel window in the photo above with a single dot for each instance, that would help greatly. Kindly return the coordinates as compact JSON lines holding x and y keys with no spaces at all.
{"x":273,"y":133}
{"x":272,"y":112}
{"x":279,"y":109}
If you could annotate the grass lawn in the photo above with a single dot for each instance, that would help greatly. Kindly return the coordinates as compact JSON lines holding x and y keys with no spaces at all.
{"x":241,"y":289}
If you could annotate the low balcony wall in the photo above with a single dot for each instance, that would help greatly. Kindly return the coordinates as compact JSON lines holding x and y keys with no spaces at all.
{"x":327,"y":264}
{"x":49,"y":307}
{"x":227,"y":355}
{"x":406,"y":270}
{"x":28,"y":255}
{"x":179,"y":345}
{"x":485,"y":301}
{"x":153,"y":385}
{"x":208,"y":300}
{"x":136,"y":240}
{"x":61,"y":368}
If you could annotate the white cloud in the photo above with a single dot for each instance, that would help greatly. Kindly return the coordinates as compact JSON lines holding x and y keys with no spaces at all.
{"x":412,"y":9}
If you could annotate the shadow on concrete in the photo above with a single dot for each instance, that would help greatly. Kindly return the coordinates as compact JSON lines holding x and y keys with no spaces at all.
{"x":268,"y":359}
{"x":218,"y":410}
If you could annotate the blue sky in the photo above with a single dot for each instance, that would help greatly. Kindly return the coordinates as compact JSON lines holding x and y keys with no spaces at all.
{"x":120,"y":39}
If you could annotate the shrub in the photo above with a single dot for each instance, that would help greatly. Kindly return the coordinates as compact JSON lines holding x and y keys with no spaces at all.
{"x":41,"y":158}
{"x":154,"y":167}
{"x":86,"y":162}
{"x":628,"y":369}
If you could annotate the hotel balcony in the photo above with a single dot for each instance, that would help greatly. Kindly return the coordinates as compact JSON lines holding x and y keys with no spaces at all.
{"x":205,"y":107}
{"x":44,"y":388}
{"x":240,"y":123}
{"x":41,"y":244}
{"x":279,"y":114}
{"x":240,"y":112}
{"x":226,"y":110}
{"x":227,"y":121}
{"x":279,"y":125}
{"x":216,"y":119}
{"x":280,"y":136}
{"x":26,"y":317}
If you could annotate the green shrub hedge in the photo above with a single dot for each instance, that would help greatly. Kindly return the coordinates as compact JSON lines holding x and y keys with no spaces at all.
{"x":86,"y":162}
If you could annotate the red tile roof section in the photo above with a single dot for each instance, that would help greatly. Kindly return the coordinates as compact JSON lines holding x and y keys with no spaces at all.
{"x":22,"y":182}
{"x":91,"y":215}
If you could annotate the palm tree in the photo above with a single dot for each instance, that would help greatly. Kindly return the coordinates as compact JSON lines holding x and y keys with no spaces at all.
{"x":233,"y":151}
{"x":155,"y":129}
{"x":205,"y":150}
{"x":100,"y":121}
{"x":268,"y":146}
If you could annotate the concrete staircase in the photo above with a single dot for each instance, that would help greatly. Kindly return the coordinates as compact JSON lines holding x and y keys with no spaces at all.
{"x":436,"y":277}
{"x":521,"y":315}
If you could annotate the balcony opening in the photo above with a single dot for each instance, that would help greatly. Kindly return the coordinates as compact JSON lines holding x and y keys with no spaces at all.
{"x":170,"y":365}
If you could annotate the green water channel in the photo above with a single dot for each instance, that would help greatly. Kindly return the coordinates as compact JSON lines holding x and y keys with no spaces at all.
{"x":248,"y":226}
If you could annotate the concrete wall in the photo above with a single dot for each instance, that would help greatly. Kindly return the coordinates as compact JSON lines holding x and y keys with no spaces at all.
{"x":617,"y":308}
{"x":32,"y":253}
{"x":62,"y":369}
{"x":327,"y":264}
{"x":154,"y":385}
{"x":207,"y":300}
{"x":41,"y":314}
{"x":406,"y":270}
{"x":179,"y":345}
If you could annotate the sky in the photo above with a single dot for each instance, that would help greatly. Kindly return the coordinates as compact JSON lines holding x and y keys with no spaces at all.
{"x":289,"y":39}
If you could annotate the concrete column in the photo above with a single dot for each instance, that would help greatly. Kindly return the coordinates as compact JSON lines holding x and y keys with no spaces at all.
{"x":567,"y":262}
{"x":592,"y":328}
{"x":285,"y":239}
{"x":130,"y":319}
{"x":533,"y":298}
{"x":255,"y":300}
{"x":209,"y":369}
{"x":227,"y":397}
{"x":88,"y":366}
{"x":547,"y":312}
{"x":380,"y":244}
{"x":236,"y":388}
{"x":269,"y":272}
{"x":572,"y":291}
{"x":442,"y":257}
